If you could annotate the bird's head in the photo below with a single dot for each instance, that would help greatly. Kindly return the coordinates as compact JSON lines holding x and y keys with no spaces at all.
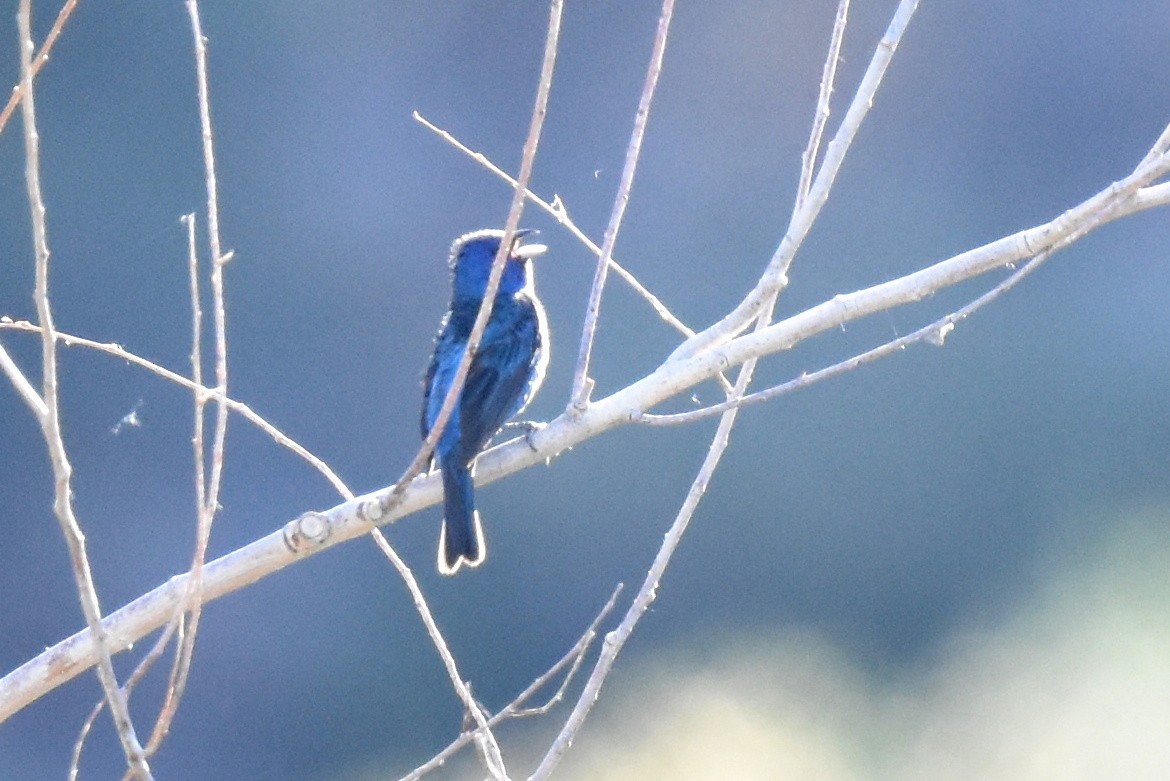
{"x":471,"y":262}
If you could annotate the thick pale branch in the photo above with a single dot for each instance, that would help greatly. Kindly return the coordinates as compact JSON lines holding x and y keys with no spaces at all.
{"x":316,"y":531}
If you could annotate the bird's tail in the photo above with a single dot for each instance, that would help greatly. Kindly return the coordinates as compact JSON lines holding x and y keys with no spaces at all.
{"x":461,"y":535}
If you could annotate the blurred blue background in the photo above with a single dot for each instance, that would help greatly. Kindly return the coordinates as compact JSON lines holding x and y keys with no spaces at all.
{"x":888,"y":570}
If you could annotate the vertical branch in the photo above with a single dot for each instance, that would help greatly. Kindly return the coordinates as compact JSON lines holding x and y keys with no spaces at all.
{"x":579,"y":396}
{"x":808,"y":160}
{"x":206,"y":489}
{"x":51,"y":423}
{"x":616,"y":640}
{"x":376,"y":509}
{"x":218,"y":261}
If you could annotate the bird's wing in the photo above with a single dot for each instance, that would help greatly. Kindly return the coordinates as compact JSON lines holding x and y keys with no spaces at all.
{"x":449,"y":344}
{"x":498,"y":378}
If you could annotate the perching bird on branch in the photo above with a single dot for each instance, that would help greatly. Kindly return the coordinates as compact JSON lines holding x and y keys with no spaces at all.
{"x":505,"y":373}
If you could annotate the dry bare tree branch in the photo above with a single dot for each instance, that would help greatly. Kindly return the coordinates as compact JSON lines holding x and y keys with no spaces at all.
{"x":152,"y":656}
{"x":316,"y":531}
{"x":207,"y":491}
{"x":616,"y":640}
{"x":177,"y":680}
{"x":51,"y":423}
{"x":560,"y":213}
{"x":582,"y":384}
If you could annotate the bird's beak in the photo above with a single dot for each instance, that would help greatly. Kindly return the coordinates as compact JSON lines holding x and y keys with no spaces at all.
{"x":527,"y":251}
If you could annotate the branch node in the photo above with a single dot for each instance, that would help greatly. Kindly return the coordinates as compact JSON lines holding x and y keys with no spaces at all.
{"x":372,"y":511}
{"x":309,"y":531}
{"x":937,"y":338}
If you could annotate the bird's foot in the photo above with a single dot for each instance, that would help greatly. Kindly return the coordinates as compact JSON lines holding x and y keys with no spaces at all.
{"x":530,"y":427}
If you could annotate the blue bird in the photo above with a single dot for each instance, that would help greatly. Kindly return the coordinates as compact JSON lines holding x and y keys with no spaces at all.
{"x":504,"y":375}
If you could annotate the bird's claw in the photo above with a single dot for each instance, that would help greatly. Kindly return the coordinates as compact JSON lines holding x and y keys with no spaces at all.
{"x":530,"y":427}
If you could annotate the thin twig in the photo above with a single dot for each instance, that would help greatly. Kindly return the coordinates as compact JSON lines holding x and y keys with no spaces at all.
{"x":253,"y":417}
{"x":808,"y":159}
{"x":775,"y":276}
{"x":558,"y":212}
{"x":513,"y":710}
{"x":582,"y":387}
{"x":177,"y":680}
{"x":391,"y":500}
{"x":492,"y":756}
{"x":51,"y":423}
{"x":38,"y":61}
{"x":24,"y":388}
{"x":218,"y":261}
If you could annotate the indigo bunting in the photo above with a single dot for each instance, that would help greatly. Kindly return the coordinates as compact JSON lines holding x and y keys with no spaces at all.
{"x":504,"y":374}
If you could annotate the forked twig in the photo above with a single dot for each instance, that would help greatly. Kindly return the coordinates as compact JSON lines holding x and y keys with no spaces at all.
{"x":207,"y":490}
{"x":775,"y":276}
{"x":572,"y":659}
{"x":152,"y":656}
{"x":935,"y":333}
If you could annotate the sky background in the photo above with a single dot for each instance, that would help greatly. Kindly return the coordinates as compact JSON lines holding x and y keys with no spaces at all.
{"x":945,"y":564}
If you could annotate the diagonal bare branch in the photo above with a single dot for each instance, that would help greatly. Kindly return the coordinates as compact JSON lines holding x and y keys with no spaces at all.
{"x":516,"y":708}
{"x":39,"y":61}
{"x":351,"y":519}
{"x":239,"y":407}
{"x":558,"y":212}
